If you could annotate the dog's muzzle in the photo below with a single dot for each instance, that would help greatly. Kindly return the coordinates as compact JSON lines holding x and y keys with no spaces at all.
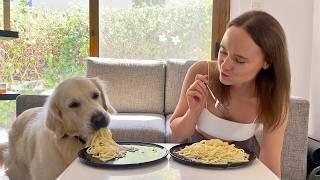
{"x":99,"y":120}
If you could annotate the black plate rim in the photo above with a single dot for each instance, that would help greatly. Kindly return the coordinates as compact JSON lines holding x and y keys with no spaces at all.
{"x":185,"y":161}
{"x":83,"y":159}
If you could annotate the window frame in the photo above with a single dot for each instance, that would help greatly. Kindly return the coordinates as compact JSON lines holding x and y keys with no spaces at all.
{"x":220,"y":19}
{"x":94,"y":28}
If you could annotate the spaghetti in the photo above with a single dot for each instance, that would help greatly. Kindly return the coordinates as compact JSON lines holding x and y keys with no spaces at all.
{"x":214,"y":151}
{"x":105,"y":148}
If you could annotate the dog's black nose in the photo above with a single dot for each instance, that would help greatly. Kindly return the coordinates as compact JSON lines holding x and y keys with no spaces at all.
{"x":99,"y":120}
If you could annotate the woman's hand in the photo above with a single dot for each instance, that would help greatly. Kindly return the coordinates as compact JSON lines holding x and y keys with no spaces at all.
{"x":197,"y":94}
{"x":191,"y":102}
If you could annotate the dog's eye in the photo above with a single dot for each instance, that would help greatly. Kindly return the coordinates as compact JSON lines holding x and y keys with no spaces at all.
{"x":95,"y":95}
{"x":74,"y":105}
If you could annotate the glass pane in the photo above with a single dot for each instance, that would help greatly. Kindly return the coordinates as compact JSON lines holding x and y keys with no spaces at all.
{"x":155,"y":29}
{"x":52,"y":44}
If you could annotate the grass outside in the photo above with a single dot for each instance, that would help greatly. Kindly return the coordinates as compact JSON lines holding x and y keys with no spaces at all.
{"x":7,"y":112}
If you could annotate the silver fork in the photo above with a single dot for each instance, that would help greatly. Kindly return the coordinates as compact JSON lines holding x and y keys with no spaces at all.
{"x":218,"y":104}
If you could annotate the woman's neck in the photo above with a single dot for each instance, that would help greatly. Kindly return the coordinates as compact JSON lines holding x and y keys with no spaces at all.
{"x":243,"y":91}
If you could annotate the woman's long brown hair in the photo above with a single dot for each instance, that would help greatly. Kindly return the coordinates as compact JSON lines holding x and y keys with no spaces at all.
{"x":272,"y":84}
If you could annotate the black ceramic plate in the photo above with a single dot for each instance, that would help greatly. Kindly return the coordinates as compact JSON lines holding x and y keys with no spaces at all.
{"x":174,"y":153}
{"x":147,"y":154}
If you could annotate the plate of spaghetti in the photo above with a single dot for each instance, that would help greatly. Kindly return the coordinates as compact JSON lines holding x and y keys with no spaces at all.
{"x":103,"y":151}
{"x":212,"y":153}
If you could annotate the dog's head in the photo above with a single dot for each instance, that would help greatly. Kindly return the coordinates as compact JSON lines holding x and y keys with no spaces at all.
{"x":78,"y":107}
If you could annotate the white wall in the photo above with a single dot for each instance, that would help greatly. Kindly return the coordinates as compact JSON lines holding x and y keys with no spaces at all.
{"x":314,"y":123}
{"x":300,"y":20}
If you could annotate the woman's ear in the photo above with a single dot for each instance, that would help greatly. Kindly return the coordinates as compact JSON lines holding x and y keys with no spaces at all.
{"x":265,"y":65}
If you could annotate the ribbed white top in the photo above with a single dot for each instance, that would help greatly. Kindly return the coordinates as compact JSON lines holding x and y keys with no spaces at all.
{"x":225,"y":129}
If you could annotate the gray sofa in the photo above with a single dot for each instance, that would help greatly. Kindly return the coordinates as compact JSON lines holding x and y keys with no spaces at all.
{"x":145,"y":93}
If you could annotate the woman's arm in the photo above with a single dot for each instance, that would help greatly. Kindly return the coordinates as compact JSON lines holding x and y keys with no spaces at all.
{"x":191,"y":102}
{"x":271,"y":147}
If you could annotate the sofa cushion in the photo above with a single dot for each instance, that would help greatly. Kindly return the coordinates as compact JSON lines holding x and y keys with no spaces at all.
{"x":176,"y":71}
{"x":139,"y":127}
{"x":132,"y":85}
{"x":25,"y":102}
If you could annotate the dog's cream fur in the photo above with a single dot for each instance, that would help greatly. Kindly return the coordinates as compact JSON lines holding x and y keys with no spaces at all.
{"x":38,"y":146}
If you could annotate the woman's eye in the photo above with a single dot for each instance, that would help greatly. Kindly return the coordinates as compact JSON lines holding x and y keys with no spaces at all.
{"x":238,"y":61}
{"x":223,"y":53}
{"x":74,"y":105}
{"x":95,"y":95}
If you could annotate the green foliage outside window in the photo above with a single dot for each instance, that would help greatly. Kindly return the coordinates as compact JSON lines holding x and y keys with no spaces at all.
{"x":157,"y":32}
{"x":143,"y":3}
{"x":51,"y":46}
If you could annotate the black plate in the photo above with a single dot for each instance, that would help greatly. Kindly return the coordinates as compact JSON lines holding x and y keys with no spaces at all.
{"x":174,"y":153}
{"x":147,"y":154}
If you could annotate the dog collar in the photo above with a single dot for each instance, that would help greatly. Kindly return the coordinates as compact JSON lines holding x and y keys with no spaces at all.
{"x":80,"y":139}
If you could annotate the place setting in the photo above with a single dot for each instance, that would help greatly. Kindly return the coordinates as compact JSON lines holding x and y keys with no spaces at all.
{"x":104,"y":152}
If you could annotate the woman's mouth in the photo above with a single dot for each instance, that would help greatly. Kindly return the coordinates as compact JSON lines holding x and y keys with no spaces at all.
{"x":224,"y":74}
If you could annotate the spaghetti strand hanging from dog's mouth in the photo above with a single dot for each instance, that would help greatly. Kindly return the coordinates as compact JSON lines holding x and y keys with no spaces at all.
{"x":105,"y":148}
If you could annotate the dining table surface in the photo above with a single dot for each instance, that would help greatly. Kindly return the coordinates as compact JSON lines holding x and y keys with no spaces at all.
{"x":167,"y":169}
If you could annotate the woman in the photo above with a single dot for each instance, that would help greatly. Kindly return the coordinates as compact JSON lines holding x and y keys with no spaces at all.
{"x":251,"y":79}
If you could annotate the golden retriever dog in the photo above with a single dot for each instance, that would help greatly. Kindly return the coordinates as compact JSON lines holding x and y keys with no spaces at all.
{"x":44,"y":141}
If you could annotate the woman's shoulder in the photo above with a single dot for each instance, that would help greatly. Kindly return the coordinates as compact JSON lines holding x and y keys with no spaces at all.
{"x":201,"y":67}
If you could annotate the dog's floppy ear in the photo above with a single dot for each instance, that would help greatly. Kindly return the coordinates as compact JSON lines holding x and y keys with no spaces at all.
{"x":105,"y":100}
{"x":54,"y":120}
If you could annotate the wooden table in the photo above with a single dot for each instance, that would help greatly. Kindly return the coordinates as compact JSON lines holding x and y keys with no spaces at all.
{"x":167,"y":170}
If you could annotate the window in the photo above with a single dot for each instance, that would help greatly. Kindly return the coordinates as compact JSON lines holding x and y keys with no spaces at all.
{"x":158,"y":29}
{"x":56,"y":35}
{"x":53,"y":41}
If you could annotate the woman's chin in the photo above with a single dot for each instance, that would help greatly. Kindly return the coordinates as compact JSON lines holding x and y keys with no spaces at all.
{"x":225,"y":81}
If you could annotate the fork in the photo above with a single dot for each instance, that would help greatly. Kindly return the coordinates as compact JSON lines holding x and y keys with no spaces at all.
{"x":218,"y":105}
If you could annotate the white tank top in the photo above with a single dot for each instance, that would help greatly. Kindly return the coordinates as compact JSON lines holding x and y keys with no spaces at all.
{"x":225,"y":129}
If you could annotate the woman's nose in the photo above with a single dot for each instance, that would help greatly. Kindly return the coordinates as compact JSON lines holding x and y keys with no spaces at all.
{"x":226,"y":63}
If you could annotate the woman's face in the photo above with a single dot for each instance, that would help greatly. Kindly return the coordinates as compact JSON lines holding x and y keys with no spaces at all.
{"x":240,"y":59}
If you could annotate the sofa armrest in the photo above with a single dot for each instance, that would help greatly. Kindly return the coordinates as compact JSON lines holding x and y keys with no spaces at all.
{"x":25,"y":102}
{"x":295,"y":145}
